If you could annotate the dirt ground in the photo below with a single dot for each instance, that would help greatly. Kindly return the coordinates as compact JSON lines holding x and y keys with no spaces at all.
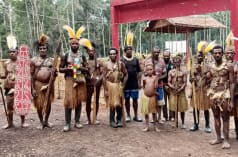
{"x":101,"y":140}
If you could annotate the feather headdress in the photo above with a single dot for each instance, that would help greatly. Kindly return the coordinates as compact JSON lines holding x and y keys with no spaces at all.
{"x":210,"y":46}
{"x":86,"y":43}
{"x":230,"y":42}
{"x":71,"y":32}
{"x":202,"y":46}
{"x":11,"y":42}
{"x":129,"y":39}
{"x":43,"y":39}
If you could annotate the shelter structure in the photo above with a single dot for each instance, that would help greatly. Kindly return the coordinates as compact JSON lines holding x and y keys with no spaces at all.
{"x":128,"y":11}
{"x":183,"y":24}
{"x":186,"y":24}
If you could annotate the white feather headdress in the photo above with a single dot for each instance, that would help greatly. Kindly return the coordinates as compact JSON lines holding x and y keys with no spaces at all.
{"x":11,"y":42}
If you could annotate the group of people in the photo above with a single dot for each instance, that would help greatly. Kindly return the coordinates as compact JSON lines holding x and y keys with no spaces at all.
{"x":162,"y":80}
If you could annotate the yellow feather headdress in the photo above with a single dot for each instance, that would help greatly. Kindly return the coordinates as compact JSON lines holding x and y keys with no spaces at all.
{"x":202,"y":46}
{"x":230,"y":42}
{"x":11,"y":42}
{"x":72,"y":34}
{"x":86,"y":43}
{"x":210,"y":46}
{"x":129,"y":39}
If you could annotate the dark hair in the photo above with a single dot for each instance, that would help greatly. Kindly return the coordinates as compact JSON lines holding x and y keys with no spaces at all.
{"x":217,"y":47}
{"x":127,"y":48}
{"x":95,"y":46}
{"x":113,"y":48}
{"x":37,"y":45}
{"x":11,"y":50}
{"x":156,"y":48}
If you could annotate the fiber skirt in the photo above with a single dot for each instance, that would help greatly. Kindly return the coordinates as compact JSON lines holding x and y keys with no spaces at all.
{"x":74,"y":96}
{"x":178,"y":101}
{"x":148,"y":104}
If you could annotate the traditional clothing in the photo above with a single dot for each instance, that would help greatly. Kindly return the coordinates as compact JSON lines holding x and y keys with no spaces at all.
{"x":38,"y":85}
{"x":114,"y":76}
{"x":148,"y":104}
{"x":9,"y":82}
{"x":75,"y":83}
{"x":177,"y":102}
{"x":201,"y":99}
{"x":114,"y":87}
{"x":74,"y":95}
{"x":219,"y":91}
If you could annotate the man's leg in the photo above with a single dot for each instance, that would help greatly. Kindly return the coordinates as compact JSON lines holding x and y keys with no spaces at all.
{"x":77,"y":116}
{"x":196,"y":122}
{"x":67,"y":119}
{"x":226,"y":122}
{"x":127,"y":104}
{"x":171,"y":115}
{"x":119,"y":116}
{"x":236,"y":126}
{"x":182,"y":114}
{"x":40,"y":116}
{"x":47,"y":114}
{"x":217,"y":123}
{"x":9,"y":101}
{"x":98,"y":89}
{"x":135,"y":107}
{"x":165,"y":109}
{"x":112,"y":117}
{"x":88,"y":103}
{"x":207,"y":121}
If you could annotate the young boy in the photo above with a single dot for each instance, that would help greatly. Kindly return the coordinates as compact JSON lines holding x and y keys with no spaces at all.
{"x":149,"y":103}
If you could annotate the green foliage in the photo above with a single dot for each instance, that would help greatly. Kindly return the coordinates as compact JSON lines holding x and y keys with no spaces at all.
{"x":31,"y":18}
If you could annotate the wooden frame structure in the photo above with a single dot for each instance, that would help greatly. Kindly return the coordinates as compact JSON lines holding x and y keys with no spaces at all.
{"x":128,"y":11}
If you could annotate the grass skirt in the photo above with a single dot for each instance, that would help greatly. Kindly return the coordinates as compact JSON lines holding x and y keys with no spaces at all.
{"x":41,"y":96}
{"x":74,"y":96}
{"x":115,"y":94}
{"x":148,"y":104}
{"x":202,"y":100}
{"x":180,"y":99}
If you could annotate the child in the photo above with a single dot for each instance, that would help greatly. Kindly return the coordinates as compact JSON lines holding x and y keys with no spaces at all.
{"x":149,"y":103}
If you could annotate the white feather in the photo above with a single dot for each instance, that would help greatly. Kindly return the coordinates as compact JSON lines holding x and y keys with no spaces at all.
{"x":11,"y":42}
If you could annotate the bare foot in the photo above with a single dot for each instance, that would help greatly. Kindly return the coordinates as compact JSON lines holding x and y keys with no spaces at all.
{"x":145,"y":129}
{"x":24,"y":125}
{"x":216,"y":141}
{"x":226,"y":145}
{"x":7,"y":126}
